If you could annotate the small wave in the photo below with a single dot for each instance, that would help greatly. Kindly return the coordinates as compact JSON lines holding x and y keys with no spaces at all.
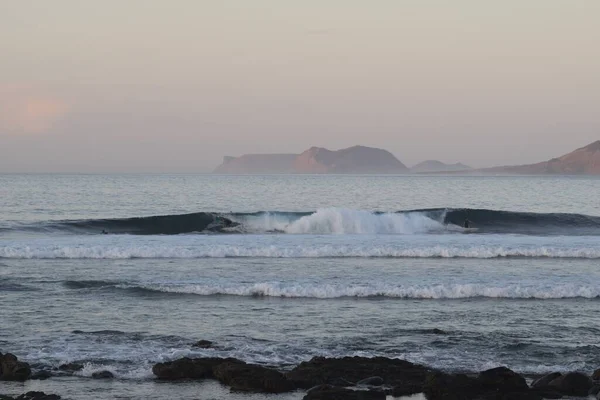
{"x":101,"y":332}
{"x":8,"y":286}
{"x":270,"y":251}
{"x":90,"y":284}
{"x":316,"y":291}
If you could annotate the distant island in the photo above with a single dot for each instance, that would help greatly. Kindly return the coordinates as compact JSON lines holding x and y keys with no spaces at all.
{"x":316,"y":160}
{"x":583,"y":161}
{"x":370,"y":160}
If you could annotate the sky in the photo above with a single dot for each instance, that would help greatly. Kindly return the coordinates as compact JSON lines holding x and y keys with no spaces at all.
{"x":173,"y":86}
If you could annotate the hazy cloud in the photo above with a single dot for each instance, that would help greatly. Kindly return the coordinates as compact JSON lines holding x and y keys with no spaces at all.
{"x":25,"y":109}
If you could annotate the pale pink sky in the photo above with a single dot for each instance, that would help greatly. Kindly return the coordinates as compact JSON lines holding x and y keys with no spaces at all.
{"x":166,"y":86}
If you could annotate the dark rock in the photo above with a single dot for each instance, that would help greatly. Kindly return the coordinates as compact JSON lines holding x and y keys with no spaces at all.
{"x":103,"y":375}
{"x":441,"y":386}
{"x":321,"y":370}
{"x":405,"y":390}
{"x":371,"y":381}
{"x":341,"y":382}
{"x":596,"y":375}
{"x":545,"y":380}
{"x":503,"y":379}
{"x":203,"y":344}
{"x":11,"y":369}
{"x":594,"y":390}
{"x":71,"y":367}
{"x":572,"y":384}
{"x":526,"y":395}
{"x":252,"y":378}
{"x":437,"y":331}
{"x":41,"y":375}
{"x":328,"y":392}
{"x":5,"y":397}
{"x":38,"y":396}
{"x":188,"y":368}
{"x":547,"y":393}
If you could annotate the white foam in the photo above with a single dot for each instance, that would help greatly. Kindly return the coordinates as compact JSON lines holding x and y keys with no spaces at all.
{"x":441,"y":291}
{"x":272,"y":251}
{"x":298,"y":251}
{"x":342,"y":221}
{"x":139,"y":372}
{"x":347,"y":221}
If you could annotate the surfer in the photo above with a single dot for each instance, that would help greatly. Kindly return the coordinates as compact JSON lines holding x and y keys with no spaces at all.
{"x":104,"y":232}
{"x":467,"y":224}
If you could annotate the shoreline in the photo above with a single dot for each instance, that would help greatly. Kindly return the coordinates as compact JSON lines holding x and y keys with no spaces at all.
{"x":320,"y":378}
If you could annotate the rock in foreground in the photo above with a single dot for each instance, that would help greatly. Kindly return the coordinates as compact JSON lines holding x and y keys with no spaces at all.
{"x":252,"y":378}
{"x":494,"y":384}
{"x":11,"y":369}
{"x":232,"y":372}
{"x":572,"y":384}
{"x":189,"y":368}
{"x":321,"y":370}
{"x":329,"y":392}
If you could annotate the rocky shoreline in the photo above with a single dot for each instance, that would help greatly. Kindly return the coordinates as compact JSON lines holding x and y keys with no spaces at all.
{"x":347,"y":378}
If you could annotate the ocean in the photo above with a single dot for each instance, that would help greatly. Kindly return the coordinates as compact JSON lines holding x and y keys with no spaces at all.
{"x":119,"y":272}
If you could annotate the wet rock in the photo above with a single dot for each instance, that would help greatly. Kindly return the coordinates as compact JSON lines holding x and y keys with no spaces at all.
{"x":252,"y":378}
{"x":341,"y":382}
{"x":41,"y":375}
{"x":441,"y":386}
{"x":329,"y":392}
{"x":11,"y":369}
{"x":526,"y":395}
{"x":71,"y":367}
{"x":103,"y":375}
{"x":322,"y":370}
{"x":38,"y":396}
{"x":572,"y":384}
{"x":405,"y":390}
{"x":547,"y":393}
{"x":504,"y":379}
{"x":594,"y":390}
{"x":203,"y":344}
{"x":189,"y":368}
{"x":545,"y":380}
{"x":596,"y":375}
{"x":371,"y":381}
{"x":494,"y":384}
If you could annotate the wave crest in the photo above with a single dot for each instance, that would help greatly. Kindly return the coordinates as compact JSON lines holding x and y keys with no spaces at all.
{"x":332,"y":291}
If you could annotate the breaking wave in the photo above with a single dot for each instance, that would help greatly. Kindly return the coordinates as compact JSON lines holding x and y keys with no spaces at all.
{"x":336,"y":221}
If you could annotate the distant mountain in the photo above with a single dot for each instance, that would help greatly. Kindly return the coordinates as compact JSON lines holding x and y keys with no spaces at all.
{"x":438,"y":166}
{"x":583,"y":161}
{"x":316,"y":160}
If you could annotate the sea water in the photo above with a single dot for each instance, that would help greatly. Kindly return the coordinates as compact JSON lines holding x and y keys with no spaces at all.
{"x":118,"y":272}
